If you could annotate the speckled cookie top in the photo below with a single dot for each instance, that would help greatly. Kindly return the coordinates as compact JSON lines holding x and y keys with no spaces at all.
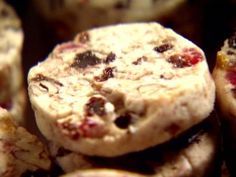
{"x":112,"y":81}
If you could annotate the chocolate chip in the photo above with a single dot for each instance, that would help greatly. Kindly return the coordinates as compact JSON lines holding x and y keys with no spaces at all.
{"x":164,"y":47}
{"x":123,"y":121}
{"x":85,"y":59}
{"x":83,"y":37}
{"x":96,"y":106}
{"x":232,"y":41}
{"x":178,"y":61}
{"x":107,"y":74}
{"x":110,"y":58}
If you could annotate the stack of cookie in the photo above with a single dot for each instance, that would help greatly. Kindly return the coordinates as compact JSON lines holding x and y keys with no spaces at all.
{"x":134,"y":97}
{"x":12,"y":93}
{"x":225,"y":78}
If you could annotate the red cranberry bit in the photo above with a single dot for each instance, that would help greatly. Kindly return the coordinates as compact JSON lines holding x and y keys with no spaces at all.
{"x":189,"y":57}
{"x":91,"y":129}
{"x":232,"y":41}
{"x":107,"y":74}
{"x":83,"y":37}
{"x":85,"y":59}
{"x":164,"y":47}
{"x":110,"y":58}
{"x":6,"y":105}
{"x":193,"y":56}
{"x":231,"y":77}
{"x":123,"y":121}
{"x":68,"y":46}
{"x":96,"y":106}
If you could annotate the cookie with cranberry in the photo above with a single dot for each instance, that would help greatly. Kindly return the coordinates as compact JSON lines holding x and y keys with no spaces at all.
{"x":20,"y":151}
{"x":195,"y":153}
{"x":224,"y":75}
{"x":112,"y":87}
{"x":10,"y":52}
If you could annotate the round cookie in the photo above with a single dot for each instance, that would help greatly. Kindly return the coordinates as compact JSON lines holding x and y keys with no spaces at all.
{"x":75,"y":16}
{"x":195,"y":154}
{"x":20,"y":151}
{"x":10,"y":52}
{"x":112,"y":87}
{"x":224,"y":74}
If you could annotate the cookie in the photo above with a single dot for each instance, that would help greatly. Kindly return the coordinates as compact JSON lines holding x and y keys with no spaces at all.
{"x":193,"y":154}
{"x":101,"y":173}
{"x":10,"y":52}
{"x":224,"y":74}
{"x":77,"y":15}
{"x":112,"y":87}
{"x":20,"y":151}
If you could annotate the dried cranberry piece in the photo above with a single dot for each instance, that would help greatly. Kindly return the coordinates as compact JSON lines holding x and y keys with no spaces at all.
{"x":178,"y":61}
{"x":107,"y":74}
{"x":95,"y":105}
{"x":85,"y":59}
{"x":232,"y":41}
{"x":6,"y":105}
{"x":110,"y":58}
{"x":164,"y":47}
{"x":189,"y":57}
{"x":83,"y":37}
{"x":192,"y":55}
{"x":123,"y":121}
{"x":231,"y":77}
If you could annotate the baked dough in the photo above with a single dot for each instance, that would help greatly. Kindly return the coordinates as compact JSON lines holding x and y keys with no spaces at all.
{"x":130,"y":86}
{"x":20,"y":151}
{"x":10,"y":52}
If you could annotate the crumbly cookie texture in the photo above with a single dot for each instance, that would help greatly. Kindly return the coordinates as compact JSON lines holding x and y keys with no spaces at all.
{"x":196,"y":156}
{"x":20,"y":151}
{"x":130,"y":86}
{"x":10,"y":52}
